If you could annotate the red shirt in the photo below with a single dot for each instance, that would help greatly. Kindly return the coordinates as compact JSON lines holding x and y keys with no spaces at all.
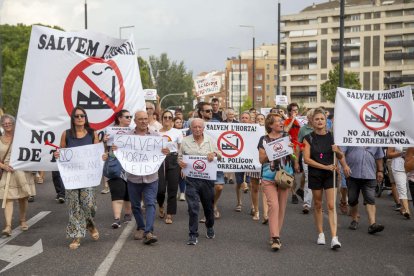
{"x":294,"y":130}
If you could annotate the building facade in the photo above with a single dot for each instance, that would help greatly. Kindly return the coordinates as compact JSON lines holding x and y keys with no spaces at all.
{"x":378,"y":46}
{"x":239,"y":77}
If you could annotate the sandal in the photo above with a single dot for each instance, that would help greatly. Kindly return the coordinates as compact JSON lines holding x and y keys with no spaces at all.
{"x":217,"y":214}
{"x":75,"y":244}
{"x":24,"y":226}
{"x":256,"y":216}
{"x":161,"y":212}
{"x":406,"y":215}
{"x":168,"y":219}
{"x":238,"y":208}
{"x":94,"y":233}
{"x":7,"y":231}
{"x":39,"y":180}
{"x":265,"y":220}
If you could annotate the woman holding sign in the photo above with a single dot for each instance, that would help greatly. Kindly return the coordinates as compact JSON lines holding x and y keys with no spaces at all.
{"x":276,"y":197}
{"x":319,"y":156}
{"x":169,"y":172}
{"x":20,"y":184}
{"x":81,"y":202}
{"x":118,"y":186}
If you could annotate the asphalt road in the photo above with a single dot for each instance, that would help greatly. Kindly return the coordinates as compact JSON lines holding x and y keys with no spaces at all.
{"x":240,"y":248}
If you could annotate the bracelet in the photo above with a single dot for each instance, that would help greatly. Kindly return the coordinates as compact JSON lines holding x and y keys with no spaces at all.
{"x":380,"y":171}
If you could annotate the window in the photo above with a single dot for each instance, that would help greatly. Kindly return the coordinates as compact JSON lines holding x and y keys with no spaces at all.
{"x":377,"y":14}
{"x":367,"y":15}
{"x":259,"y":77}
{"x":267,"y":87}
{"x":355,"y":17}
{"x":355,"y":29}
{"x":324,"y":76}
{"x":274,"y":77}
{"x":275,"y":66}
{"x":312,"y":99}
{"x":396,"y":25}
{"x":324,"y":31}
{"x":377,"y":27}
{"x":409,"y":24}
{"x":393,"y":13}
{"x":259,"y":87}
{"x":259,"y":98}
{"x":324,"y":19}
{"x":367,"y":27}
{"x":409,"y":12}
{"x":267,"y":77}
{"x":267,"y":66}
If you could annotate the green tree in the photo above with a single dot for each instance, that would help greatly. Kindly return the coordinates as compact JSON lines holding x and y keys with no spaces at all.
{"x":247,"y":104}
{"x":329,"y":87}
{"x":172,"y":78}
{"x":145,"y":72}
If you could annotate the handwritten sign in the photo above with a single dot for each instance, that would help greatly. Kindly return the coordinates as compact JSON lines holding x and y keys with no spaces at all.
{"x":150,"y":94}
{"x":200,"y":167}
{"x":114,"y":130}
{"x":81,"y":167}
{"x":140,"y":155}
{"x":281,"y":100}
{"x":278,"y":148}
{"x":207,"y":85}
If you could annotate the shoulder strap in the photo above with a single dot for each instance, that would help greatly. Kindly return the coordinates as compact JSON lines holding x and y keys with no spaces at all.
{"x":7,"y":151}
{"x":68,"y":132}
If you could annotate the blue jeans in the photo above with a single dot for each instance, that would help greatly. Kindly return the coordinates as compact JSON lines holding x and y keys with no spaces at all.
{"x":149,"y":190}
{"x":199,"y":190}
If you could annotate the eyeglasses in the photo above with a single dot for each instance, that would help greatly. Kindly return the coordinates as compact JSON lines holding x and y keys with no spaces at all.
{"x":149,"y":108}
{"x":167,"y":117}
{"x":127,"y":117}
{"x":79,"y":116}
{"x":7,"y":124}
{"x":208,"y":110}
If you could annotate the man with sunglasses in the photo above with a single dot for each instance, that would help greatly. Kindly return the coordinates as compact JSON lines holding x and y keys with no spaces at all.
{"x":153,"y":124}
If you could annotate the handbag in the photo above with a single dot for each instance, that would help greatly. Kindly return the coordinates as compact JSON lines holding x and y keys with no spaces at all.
{"x":4,"y":158}
{"x":283,"y":179}
{"x":112,"y":168}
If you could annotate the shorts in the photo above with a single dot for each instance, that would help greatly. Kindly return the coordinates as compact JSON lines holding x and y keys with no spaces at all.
{"x":118,"y":188}
{"x":220,"y":178}
{"x":366,"y":186}
{"x":320,"y":181}
{"x":241,"y":177}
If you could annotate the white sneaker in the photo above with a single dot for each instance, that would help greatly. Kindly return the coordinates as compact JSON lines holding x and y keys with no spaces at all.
{"x":335,"y":244}
{"x":182,"y":197}
{"x":321,"y":239}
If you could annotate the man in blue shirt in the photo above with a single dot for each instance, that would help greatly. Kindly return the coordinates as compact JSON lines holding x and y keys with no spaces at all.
{"x":366,"y":164}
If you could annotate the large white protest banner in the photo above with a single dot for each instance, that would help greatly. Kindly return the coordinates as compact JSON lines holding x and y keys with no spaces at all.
{"x":81,"y":167}
{"x":207,"y":85}
{"x":278,"y":148}
{"x":68,"y":69}
{"x":140,"y":155}
{"x":238,"y":145}
{"x":111,"y":131}
{"x":374,"y":118}
{"x":200,"y":167}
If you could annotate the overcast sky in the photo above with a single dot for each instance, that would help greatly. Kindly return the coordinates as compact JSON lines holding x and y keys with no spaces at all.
{"x":197,"y":32}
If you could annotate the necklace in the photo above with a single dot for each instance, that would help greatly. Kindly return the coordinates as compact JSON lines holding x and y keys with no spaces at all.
{"x":317,"y":148}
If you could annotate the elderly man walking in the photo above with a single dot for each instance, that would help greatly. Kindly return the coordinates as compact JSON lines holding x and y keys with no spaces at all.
{"x":199,"y":190}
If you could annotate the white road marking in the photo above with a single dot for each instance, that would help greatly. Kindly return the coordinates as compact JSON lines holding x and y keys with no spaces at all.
{"x":104,"y":267}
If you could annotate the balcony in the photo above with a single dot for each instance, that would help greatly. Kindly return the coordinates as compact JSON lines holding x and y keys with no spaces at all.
{"x":399,"y":79}
{"x":301,"y":61}
{"x":335,"y":48}
{"x":303,"y":94}
{"x":393,"y":43}
{"x":346,"y":58}
{"x":300,"y":50}
{"x":398,"y":56}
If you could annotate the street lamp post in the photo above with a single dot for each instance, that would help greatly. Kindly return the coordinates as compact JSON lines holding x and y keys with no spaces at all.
{"x":86,"y":15}
{"x":175,"y":94}
{"x":124,"y":27}
{"x":253,"y":77}
{"x":232,"y":77}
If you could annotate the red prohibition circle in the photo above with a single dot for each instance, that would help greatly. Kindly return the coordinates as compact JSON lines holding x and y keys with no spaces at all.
{"x":365,"y":107}
{"x":277,"y":147}
{"x":76,"y":72}
{"x":201,"y":164}
{"x":238,"y":151}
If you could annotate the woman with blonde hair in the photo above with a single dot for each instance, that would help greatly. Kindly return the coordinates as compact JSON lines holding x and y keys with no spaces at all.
{"x":21,"y":184}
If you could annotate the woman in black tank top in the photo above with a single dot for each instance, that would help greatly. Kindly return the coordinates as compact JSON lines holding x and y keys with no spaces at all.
{"x":81,"y":202}
{"x":319,"y":155}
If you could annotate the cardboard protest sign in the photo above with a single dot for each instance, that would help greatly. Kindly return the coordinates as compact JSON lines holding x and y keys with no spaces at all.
{"x":238,"y":145}
{"x":114,"y":130}
{"x":81,"y":167}
{"x":281,"y":100}
{"x":68,"y":69}
{"x":140,"y":155}
{"x":200,"y":167}
{"x":278,"y":148}
{"x":207,"y":85}
{"x":374,"y":118}
{"x":150,"y":94}
{"x":265,"y":110}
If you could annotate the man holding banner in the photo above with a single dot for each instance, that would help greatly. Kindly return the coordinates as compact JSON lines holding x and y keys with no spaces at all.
{"x":199,"y":189}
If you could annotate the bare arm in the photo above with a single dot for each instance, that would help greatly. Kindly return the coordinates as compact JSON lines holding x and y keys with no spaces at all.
{"x":409,"y":160}
{"x":392,"y":153}
{"x":263,"y":156}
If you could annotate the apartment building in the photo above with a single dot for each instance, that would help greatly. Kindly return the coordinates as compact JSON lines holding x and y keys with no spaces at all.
{"x":239,"y":77}
{"x":378,"y":46}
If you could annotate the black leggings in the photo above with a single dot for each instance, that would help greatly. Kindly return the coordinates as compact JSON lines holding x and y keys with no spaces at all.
{"x":411,"y":186}
{"x":169,"y":174}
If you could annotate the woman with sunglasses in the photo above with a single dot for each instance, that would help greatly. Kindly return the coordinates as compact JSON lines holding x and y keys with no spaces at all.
{"x":118,"y":186}
{"x":81,"y":202}
{"x":21,"y":184}
{"x":169,"y":172}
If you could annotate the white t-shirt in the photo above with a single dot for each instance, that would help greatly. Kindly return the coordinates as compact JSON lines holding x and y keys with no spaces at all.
{"x":174,"y":136}
{"x":397,"y":164}
{"x":155,"y":126}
